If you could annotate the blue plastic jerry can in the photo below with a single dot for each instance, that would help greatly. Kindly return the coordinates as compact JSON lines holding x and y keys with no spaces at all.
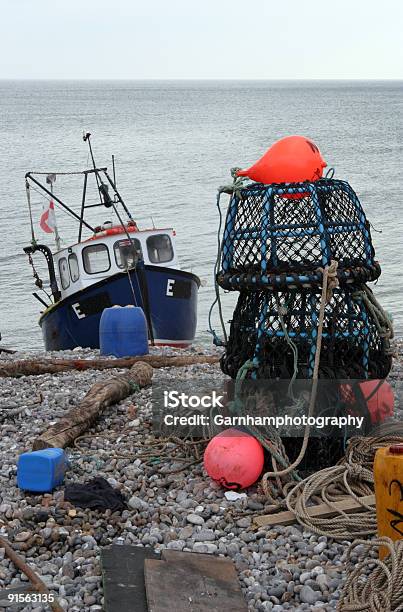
{"x":41,"y":471}
{"x":123,"y":331}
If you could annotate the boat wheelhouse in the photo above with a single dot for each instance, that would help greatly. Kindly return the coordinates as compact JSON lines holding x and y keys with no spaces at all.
{"x":110,"y":252}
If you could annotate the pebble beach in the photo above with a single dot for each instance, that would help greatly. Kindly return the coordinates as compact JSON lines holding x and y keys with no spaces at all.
{"x":170,"y":503}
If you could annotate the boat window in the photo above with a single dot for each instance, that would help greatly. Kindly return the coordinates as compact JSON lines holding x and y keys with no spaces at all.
{"x":127,"y":253}
{"x":96,"y":259}
{"x":64,"y":273}
{"x":74,"y":269}
{"x":159,"y":248}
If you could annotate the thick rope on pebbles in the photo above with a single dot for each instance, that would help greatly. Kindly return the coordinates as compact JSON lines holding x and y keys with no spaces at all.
{"x":351,"y":477}
{"x":379,"y":590}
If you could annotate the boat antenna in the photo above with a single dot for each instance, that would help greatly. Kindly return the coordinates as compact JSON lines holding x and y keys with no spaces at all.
{"x":104,"y":196}
{"x":114,"y":170}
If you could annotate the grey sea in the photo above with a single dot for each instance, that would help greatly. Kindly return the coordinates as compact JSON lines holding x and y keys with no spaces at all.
{"x":174,"y":144}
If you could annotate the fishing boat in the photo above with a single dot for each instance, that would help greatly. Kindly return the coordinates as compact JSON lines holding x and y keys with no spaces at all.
{"x":114,"y":264}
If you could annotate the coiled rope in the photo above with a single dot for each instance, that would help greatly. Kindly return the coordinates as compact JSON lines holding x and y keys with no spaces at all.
{"x":380,"y":590}
{"x":352,"y":477}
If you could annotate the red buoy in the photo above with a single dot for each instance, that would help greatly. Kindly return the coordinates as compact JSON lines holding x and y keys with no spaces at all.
{"x":234,"y":459}
{"x":293,"y":159}
{"x":377,"y":395}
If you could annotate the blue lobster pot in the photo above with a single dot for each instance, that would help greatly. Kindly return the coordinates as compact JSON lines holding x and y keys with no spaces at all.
{"x":123,"y":332}
{"x":283,"y":233}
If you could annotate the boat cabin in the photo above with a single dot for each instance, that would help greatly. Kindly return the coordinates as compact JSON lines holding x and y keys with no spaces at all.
{"x":109,"y":251}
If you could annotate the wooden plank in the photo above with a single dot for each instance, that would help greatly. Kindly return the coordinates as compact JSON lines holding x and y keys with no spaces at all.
{"x":199,"y":560}
{"x":321,"y":511}
{"x":123,"y":577}
{"x":192,"y":582}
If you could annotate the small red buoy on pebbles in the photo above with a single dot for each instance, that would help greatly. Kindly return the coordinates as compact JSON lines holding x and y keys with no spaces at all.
{"x":234,"y":458}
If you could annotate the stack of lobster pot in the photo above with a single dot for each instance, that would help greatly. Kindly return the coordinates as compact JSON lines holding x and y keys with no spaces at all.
{"x":277,"y":241}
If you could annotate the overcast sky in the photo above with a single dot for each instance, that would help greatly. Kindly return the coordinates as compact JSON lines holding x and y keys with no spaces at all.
{"x":203,"y":39}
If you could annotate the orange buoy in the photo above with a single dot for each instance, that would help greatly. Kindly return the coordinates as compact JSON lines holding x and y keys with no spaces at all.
{"x":388,"y":476}
{"x":377,"y":395}
{"x":234,"y":459}
{"x":293,"y":159}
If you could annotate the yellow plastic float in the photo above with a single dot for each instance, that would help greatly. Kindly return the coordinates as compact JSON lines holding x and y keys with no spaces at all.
{"x":388,"y":473}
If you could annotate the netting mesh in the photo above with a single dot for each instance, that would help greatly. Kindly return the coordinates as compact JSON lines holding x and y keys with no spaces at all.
{"x":295,"y":229}
{"x":265,"y":323}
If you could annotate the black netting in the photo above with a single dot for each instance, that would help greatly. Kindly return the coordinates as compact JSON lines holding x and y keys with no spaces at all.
{"x":352,"y":346}
{"x":320,"y":453}
{"x":295,"y":229}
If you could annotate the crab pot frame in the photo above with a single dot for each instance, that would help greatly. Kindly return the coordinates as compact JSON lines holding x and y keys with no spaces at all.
{"x":266,"y":325}
{"x":291,"y":230}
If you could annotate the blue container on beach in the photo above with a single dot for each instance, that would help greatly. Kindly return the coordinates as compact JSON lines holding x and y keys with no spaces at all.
{"x":123,"y":332}
{"x":41,"y":471}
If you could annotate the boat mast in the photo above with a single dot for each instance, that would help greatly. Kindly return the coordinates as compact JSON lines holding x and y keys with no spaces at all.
{"x":108,"y":202}
{"x":103,"y":189}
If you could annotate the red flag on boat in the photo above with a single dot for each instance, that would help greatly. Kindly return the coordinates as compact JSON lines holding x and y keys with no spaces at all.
{"x":48,"y":219}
